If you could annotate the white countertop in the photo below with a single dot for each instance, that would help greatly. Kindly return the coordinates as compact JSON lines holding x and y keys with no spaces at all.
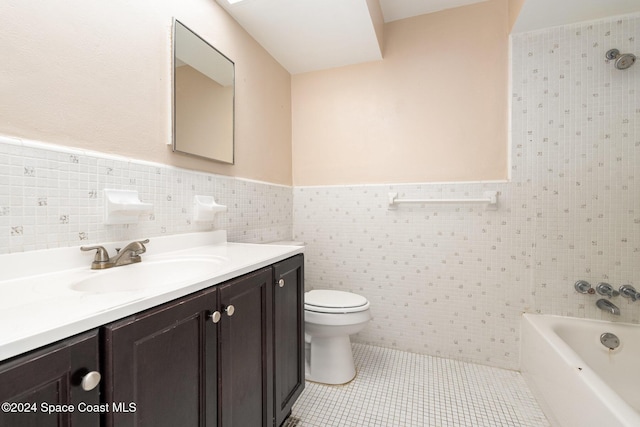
{"x":37,"y":306}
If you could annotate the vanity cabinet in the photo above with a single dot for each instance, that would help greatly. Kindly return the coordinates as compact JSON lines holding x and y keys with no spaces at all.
{"x":288,"y":333}
{"x":41,"y":386}
{"x":161,"y":365}
{"x":202,"y":360}
{"x":231,"y":355}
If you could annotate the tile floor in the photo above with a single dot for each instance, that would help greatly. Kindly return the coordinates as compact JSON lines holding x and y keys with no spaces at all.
{"x":396,"y":388}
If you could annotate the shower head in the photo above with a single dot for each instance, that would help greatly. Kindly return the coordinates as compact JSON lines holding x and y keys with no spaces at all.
{"x":622,"y":61}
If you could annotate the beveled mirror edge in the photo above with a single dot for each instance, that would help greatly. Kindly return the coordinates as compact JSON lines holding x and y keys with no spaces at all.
{"x":173,"y":97}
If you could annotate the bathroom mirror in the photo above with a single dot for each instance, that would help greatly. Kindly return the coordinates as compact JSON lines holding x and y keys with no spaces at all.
{"x":203,"y":97}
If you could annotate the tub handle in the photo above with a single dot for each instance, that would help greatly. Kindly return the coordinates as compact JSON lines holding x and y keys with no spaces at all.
{"x":583,"y":287}
{"x":629,"y":291}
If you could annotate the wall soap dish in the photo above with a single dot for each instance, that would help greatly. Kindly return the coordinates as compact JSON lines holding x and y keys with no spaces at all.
{"x":124,"y":207}
{"x":205,"y":208}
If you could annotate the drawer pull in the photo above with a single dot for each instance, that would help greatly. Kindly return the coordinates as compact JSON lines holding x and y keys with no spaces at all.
{"x":90,"y":381}
{"x":215,"y":316}
{"x":230,"y":310}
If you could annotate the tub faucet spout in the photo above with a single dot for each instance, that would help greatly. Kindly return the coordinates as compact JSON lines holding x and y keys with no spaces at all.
{"x":606,"y":305}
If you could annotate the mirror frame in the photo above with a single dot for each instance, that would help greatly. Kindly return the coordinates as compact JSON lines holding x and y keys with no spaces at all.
{"x":173,"y":96}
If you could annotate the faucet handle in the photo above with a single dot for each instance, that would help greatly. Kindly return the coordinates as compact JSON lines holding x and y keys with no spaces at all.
{"x":101,"y":260}
{"x":583,"y":287}
{"x":629,"y":291}
{"x":606,"y":290}
{"x":101,"y":253}
{"x":134,"y":249}
{"x":142,"y":248}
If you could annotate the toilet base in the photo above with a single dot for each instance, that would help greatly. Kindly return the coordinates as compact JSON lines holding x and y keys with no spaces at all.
{"x":329,"y":360}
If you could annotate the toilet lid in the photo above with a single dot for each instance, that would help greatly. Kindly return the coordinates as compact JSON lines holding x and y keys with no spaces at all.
{"x":326,"y":301}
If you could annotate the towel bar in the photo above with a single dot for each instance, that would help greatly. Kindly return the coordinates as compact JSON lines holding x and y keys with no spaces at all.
{"x":490,"y":199}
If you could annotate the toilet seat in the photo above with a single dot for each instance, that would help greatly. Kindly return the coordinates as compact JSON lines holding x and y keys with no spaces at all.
{"x":328,"y":301}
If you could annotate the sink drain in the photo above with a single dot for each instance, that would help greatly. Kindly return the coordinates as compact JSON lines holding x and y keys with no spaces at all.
{"x":609,"y":340}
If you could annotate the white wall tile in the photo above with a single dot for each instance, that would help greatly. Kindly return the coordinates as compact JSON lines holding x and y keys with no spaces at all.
{"x":52,"y":196}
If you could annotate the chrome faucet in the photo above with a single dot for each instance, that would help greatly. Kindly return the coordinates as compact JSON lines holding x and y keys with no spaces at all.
{"x":606,"y":305}
{"x":606,"y":290}
{"x":629,"y":291}
{"x":130,"y":254}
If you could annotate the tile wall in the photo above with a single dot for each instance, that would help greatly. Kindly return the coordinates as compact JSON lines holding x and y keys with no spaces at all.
{"x":451,"y":280}
{"x":52,"y":196}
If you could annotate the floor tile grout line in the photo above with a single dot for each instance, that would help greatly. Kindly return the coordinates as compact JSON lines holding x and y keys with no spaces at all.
{"x":400,"y":388}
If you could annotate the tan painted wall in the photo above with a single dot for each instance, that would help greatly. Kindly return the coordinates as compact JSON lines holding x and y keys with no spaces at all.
{"x":96,"y":75}
{"x":434,"y":109}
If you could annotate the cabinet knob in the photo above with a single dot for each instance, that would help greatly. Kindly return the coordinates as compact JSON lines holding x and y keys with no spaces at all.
{"x":281,"y":283}
{"x":90,"y":381}
{"x":230,"y":310}
{"x":215,"y":316}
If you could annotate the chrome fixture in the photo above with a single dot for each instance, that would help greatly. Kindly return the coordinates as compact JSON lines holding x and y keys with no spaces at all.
{"x":609,"y":340}
{"x":606,"y":305}
{"x":130,"y":254}
{"x":606,"y":290}
{"x":622,"y":60}
{"x":629,"y":291}
{"x":584,"y":287}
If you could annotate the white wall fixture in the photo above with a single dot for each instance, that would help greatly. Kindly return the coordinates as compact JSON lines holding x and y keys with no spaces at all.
{"x":124,"y":207}
{"x":489,"y":197}
{"x":205,"y":208}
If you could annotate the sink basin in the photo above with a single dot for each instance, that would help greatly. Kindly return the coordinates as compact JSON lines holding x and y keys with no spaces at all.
{"x":148,"y":275}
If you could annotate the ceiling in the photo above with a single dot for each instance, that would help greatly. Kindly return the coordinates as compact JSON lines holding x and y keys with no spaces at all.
{"x":400,"y":9}
{"x":309,"y":35}
{"x":537,"y":14}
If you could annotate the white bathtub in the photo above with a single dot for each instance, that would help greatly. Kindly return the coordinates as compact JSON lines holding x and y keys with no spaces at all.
{"x":576,"y":379}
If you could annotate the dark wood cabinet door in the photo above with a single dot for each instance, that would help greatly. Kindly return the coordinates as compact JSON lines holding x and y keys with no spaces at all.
{"x":162,"y":365}
{"x":37,"y":381}
{"x":288,"y":334}
{"x":245,"y":351}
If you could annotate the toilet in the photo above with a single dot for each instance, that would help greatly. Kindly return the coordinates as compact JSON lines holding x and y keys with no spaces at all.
{"x":329,"y":318}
